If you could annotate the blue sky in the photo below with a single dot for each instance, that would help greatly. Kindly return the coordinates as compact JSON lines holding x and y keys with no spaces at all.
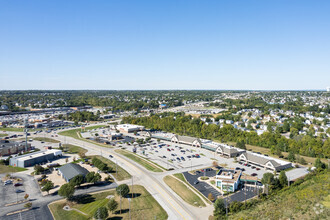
{"x":172,"y":44}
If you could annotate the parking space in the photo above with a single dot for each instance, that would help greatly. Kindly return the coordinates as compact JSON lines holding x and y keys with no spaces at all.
{"x":8,"y":193}
{"x":246,"y":192}
{"x":170,"y":155}
{"x":203,"y":187}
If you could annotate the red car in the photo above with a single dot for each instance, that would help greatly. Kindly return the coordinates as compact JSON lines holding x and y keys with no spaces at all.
{"x":168,"y":149}
{"x":257,"y":168}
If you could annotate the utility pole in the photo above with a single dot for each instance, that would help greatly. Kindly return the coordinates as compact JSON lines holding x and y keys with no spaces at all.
{"x":132,"y":188}
{"x":129,"y":208}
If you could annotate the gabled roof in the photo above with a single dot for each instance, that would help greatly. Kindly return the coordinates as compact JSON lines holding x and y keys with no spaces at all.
{"x":187,"y":139}
{"x":259,"y":159}
{"x":71,"y":170}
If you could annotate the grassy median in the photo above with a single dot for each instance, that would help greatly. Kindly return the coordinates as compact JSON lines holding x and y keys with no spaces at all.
{"x":143,"y":206}
{"x":143,"y":162}
{"x":45,"y":139}
{"x":184,"y":191}
{"x":122,"y":173}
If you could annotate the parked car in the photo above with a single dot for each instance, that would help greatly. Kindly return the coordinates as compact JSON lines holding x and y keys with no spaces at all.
{"x":19,"y":191}
{"x":257,"y":168}
{"x":18,"y":184}
{"x":196,"y":182}
{"x":110,"y":156}
{"x":178,"y":159}
{"x":253,"y":167}
{"x":182,"y":158}
{"x":254,"y":174}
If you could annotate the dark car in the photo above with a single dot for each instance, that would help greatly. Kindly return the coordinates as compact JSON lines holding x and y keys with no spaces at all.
{"x":178,"y":159}
{"x":189,"y":156}
{"x":182,"y":158}
{"x":237,"y":168}
{"x":19,"y":191}
{"x":254,"y":174}
{"x":18,"y":184}
{"x":257,"y":168}
{"x":110,"y":156}
{"x":196,"y":182}
{"x":242,"y":169}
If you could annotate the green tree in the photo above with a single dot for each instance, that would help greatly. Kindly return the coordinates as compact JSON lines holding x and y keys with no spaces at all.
{"x":219,"y":209}
{"x":77,"y":180}
{"x":291,"y":157}
{"x":283,"y":179}
{"x":319,"y":165}
{"x":112,"y":205}
{"x":122,"y":190}
{"x":48,"y":186}
{"x":66,"y":191}
{"x":268,"y":178}
{"x":101,"y":213}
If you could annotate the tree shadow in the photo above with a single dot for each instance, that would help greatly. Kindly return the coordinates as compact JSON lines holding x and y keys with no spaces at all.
{"x":123,"y":211}
{"x":115,"y":218}
{"x":83,"y":199}
{"x":133,"y":195}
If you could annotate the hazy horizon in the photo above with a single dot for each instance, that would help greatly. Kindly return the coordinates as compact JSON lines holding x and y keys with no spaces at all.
{"x":165,"y":45}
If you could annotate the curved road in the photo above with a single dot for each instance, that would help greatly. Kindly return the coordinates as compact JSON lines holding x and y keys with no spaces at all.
{"x":175,"y":207}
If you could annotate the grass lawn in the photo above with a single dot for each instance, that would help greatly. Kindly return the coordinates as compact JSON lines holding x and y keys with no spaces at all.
{"x":143,"y":162}
{"x":297,"y":202}
{"x":3,"y":135}
{"x":12,"y":129}
{"x":184,"y":191}
{"x":73,"y":149}
{"x":10,"y":169}
{"x":121,"y":175}
{"x":143,"y":206}
{"x":44,"y":139}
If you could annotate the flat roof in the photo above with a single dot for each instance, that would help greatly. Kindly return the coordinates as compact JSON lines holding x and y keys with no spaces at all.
{"x":37,"y":154}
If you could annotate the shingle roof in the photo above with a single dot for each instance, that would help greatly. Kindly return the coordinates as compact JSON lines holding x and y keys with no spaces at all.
{"x":260,"y":160}
{"x":71,"y":170}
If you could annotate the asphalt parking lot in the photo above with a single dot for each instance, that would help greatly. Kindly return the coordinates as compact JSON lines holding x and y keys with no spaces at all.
{"x":170,"y":155}
{"x":245,"y":193}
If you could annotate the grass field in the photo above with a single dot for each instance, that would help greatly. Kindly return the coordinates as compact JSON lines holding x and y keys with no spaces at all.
{"x":121,"y":175}
{"x":73,"y":149}
{"x":3,"y":135}
{"x":10,"y":169}
{"x":143,"y":206}
{"x":297,"y":202}
{"x":143,"y":162}
{"x":184,"y":191}
{"x":44,"y":139}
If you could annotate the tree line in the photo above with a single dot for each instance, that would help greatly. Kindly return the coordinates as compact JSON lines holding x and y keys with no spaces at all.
{"x":187,"y":125}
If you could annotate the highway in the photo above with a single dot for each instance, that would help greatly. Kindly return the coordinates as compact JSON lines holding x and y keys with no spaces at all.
{"x":175,"y":207}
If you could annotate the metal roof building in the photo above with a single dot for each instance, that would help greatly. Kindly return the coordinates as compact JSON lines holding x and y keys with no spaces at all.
{"x":70,"y":170}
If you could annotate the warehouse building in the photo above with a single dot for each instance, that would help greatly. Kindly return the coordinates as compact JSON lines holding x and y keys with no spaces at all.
{"x":32,"y":159}
{"x":70,"y":170}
